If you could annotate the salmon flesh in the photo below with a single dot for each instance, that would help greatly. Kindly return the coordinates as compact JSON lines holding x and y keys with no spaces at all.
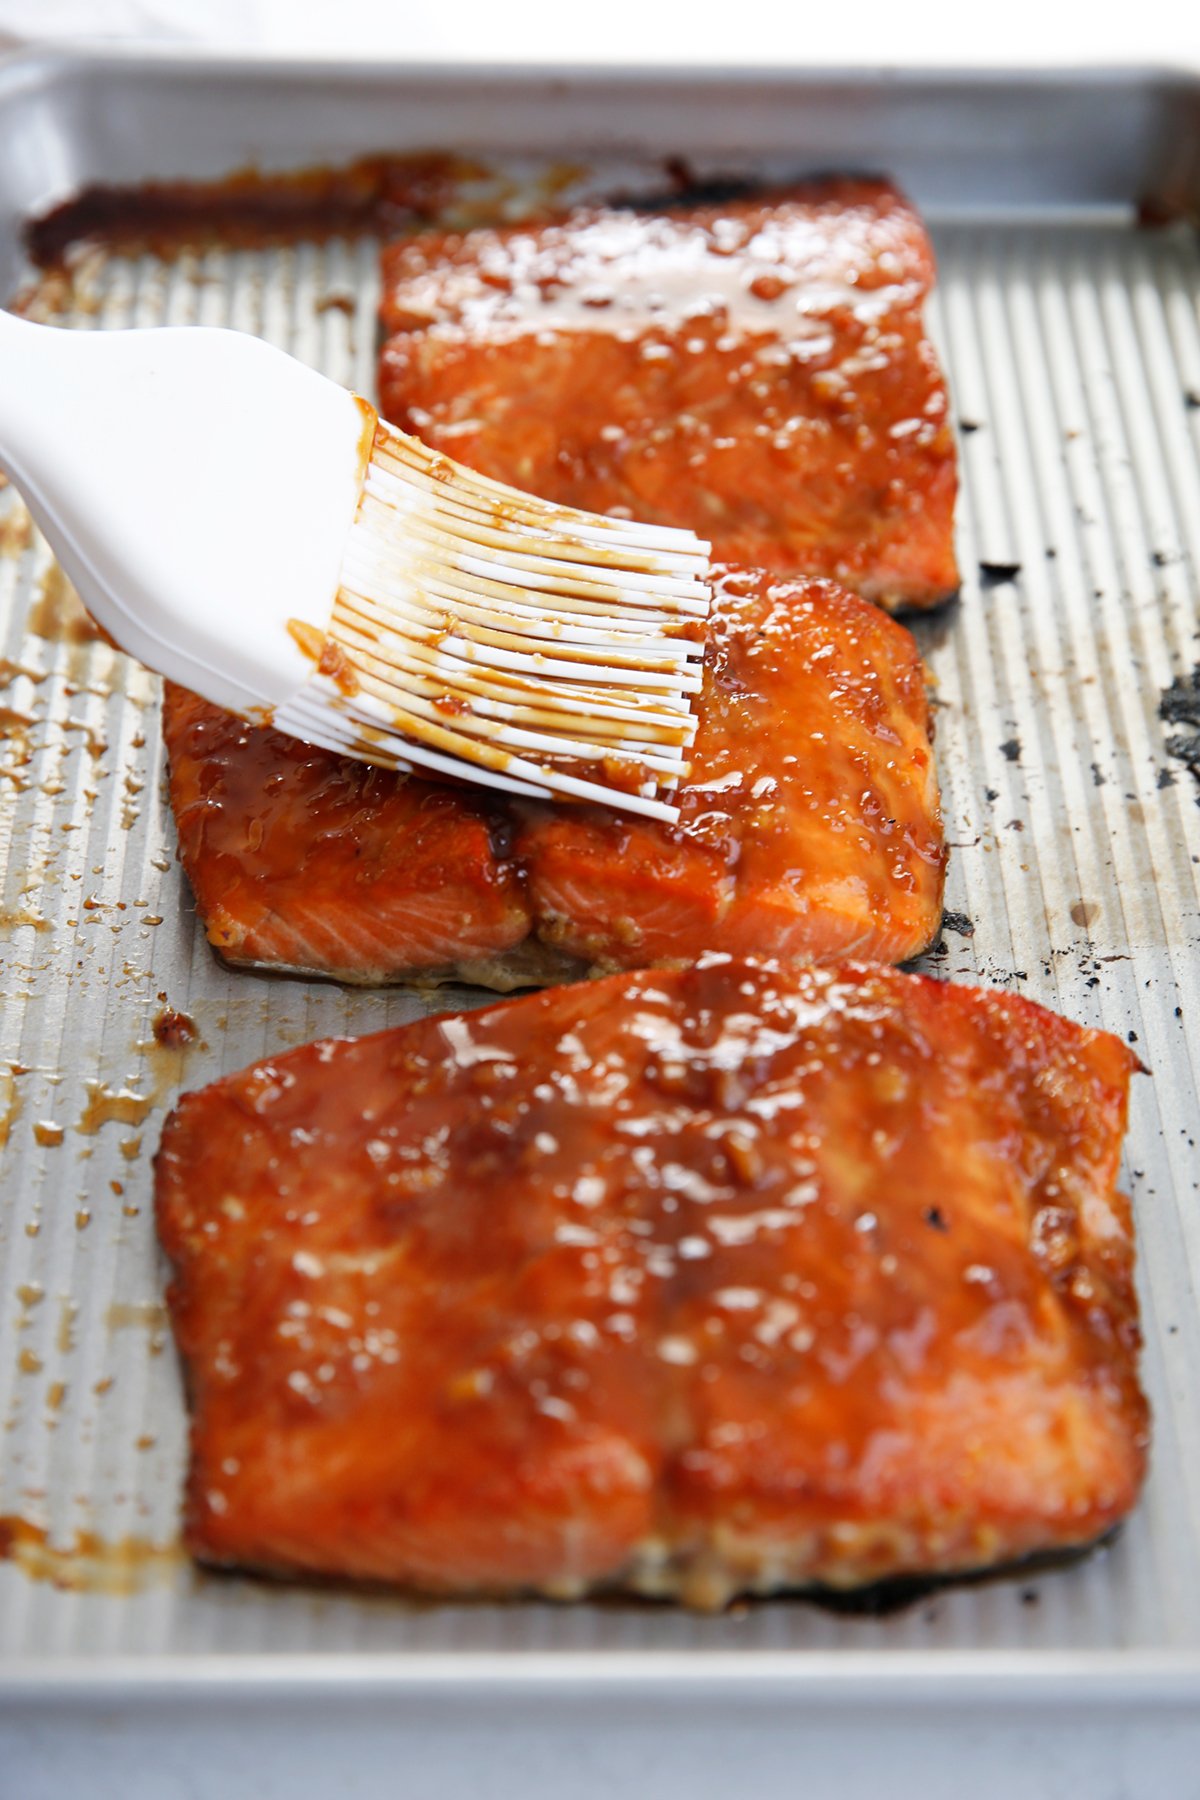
{"x":810,"y":827}
{"x":757,"y":370}
{"x":735,"y":1278}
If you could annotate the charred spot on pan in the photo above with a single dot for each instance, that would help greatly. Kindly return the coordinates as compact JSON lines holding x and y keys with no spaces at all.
{"x":1191,"y":399}
{"x":1010,"y":749}
{"x":933,"y":630}
{"x":1179,"y":704}
{"x":686,"y":188}
{"x":993,"y":574}
{"x":967,"y":426}
{"x":1099,"y":778}
{"x":961,"y":922}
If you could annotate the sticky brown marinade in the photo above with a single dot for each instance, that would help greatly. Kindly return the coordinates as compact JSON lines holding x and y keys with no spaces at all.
{"x":757,"y":370}
{"x":810,"y":827}
{"x":735,"y":1278}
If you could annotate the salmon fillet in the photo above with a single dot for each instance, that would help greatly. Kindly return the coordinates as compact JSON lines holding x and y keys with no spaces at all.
{"x":735,"y":1278}
{"x":757,"y":370}
{"x":810,"y":823}
{"x":307,"y":861}
{"x":810,"y":826}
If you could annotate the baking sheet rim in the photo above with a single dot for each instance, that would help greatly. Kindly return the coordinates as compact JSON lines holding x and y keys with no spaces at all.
{"x":984,"y":1678}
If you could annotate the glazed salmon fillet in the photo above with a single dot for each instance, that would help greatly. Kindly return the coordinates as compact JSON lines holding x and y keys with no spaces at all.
{"x":810,"y":826}
{"x":757,"y":370}
{"x":310,"y":862}
{"x":734,"y":1278}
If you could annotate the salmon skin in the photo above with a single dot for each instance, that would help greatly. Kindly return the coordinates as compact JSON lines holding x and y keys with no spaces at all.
{"x":757,"y":370}
{"x":810,"y":827}
{"x":736,"y":1278}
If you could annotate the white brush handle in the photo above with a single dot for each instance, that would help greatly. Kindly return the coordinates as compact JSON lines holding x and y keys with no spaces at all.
{"x":230,"y":517}
{"x":197,"y":487}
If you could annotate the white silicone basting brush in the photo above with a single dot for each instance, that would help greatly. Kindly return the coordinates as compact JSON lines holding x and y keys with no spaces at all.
{"x":257,"y":533}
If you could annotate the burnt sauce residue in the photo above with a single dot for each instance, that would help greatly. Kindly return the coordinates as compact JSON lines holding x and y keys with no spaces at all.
{"x":173,"y":1030}
{"x":960,"y":922}
{"x":249,"y":209}
{"x":900,"y":1593}
{"x":1179,"y":704}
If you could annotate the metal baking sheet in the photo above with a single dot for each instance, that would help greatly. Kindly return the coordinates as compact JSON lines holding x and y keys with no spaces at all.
{"x":1072,"y":341}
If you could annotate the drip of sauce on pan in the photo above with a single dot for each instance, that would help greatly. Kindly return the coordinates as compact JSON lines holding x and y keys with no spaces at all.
{"x":13,"y":916}
{"x":87,"y":1563}
{"x":13,"y":671}
{"x":58,"y":614}
{"x":16,"y":531}
{"x":68,"y":1312}
{"x":148,"y":1314}
{"x":11,"y":1102}
{"x":104,"y":1107}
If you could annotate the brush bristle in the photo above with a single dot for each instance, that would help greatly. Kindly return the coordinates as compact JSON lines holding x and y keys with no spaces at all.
{"x":548,"y":650}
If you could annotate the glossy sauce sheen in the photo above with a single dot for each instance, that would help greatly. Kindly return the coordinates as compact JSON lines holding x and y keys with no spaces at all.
{"x":729,"y":1278}
{"x":810,"y":826}
{"x":756,"y":370}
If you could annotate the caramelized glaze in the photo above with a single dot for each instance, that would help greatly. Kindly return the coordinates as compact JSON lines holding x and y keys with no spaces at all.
{"x":734,"y":1277}
{"x":810,"y":825}
{"x":757,"y":370}
{"x":305,"y":860}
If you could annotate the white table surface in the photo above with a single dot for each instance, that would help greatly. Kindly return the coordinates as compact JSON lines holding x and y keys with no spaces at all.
{"x":1013,"y":33}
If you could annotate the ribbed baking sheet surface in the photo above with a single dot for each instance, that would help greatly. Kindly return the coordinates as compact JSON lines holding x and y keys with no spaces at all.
{"x":1073,"y":351}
